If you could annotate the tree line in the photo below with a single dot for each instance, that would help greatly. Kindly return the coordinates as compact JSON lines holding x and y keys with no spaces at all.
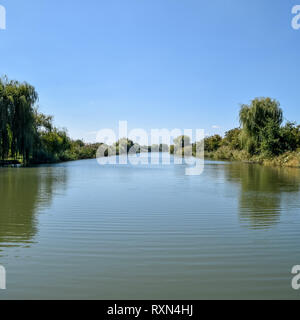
{"x":28,"y":135}
{"x":262,"y":135}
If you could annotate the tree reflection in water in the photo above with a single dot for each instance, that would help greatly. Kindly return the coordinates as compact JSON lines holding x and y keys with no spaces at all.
{"x":24,"y":193}
{"x":265,"y":192}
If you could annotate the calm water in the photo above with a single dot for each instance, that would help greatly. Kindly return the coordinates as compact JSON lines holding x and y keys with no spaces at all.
{"x":80,"y":230}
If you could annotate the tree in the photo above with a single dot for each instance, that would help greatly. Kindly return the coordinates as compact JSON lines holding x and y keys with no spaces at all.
{"x":172,"y":149}
{"x":212,"y":143}
{"x":270,"y":139}
{"x":163,"y":147}
{"x":290,"y":137}
{"x":17,"y":118}
{"x":262,"y":114}
{"x":27,"y":133}
{"x":43,"y":122}
{"x":4,"y":122}
{"x":233,"y":139}
{"x":182,"y":141}
{"x":124,"y":145}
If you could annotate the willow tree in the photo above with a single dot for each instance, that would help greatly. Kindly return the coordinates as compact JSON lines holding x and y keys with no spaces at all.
{"x":18,"y":100}
{"x":4,"y":122}
{"x":261,"y":121}
{"x":182,"y":141}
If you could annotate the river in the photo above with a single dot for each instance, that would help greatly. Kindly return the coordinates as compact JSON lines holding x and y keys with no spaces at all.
{"x":79,"y":230}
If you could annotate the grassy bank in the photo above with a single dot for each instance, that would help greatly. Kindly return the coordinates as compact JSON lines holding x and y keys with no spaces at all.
{"x":263,"y":137}
{"x":288,"y":159}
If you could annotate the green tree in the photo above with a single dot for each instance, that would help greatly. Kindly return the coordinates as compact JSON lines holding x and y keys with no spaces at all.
{"x":4,"y":122}
{"x":172,"y":149}
{"x":270,"y":139}
{"x":290,"y":137}
{"x":182,"y":141}
{"x":232,"y":139}
{"x":123,"y":145}
{"x":17,"y":113}
{"x":212,"y":143}
{"x":260,"y":123}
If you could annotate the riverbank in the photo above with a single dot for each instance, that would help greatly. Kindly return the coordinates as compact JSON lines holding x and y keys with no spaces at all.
{"x":288,"y":159}
{"x":8,"y":163}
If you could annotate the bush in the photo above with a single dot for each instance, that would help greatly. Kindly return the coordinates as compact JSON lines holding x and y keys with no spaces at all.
{"x":212,"y":143}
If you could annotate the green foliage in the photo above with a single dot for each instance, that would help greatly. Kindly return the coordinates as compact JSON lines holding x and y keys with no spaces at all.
{"x":261,"y":138}
{"x":227,"y":153}
{"x":27,"y":134}
{"x":212,"y":143}
{"x":31,"y":136}
{"x":17,"y":111}
{"x":163,"y":148}
{"x":290,"y":137}
{"x":172,"y":149}
{"x":182,"y":141}
{"x":232,"y":139}
{"x":270,"y":140}
{"x":263,"y":114}
{"x":124,"y":145}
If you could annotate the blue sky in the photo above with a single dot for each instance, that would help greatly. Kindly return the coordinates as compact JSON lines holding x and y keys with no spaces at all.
{"x":155,"y":63}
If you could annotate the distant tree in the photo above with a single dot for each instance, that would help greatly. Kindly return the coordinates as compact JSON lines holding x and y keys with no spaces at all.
{"x":124,"y":145}
{"x":155,"y":148}
{"x":172,"y":149}
{"x":163,"y":148}
{"x":182,"y":141}
{"x":232,"y":139}
{"x":79,"y":143}
{"x":212,"y":143}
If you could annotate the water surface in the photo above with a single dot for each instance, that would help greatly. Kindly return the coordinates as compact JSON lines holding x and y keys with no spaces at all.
{"x":82,"y":231}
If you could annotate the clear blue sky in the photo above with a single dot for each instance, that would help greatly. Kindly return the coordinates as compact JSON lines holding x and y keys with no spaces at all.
{"x":156,"y":63}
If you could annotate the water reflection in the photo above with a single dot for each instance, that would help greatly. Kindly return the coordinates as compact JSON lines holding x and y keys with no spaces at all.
{"x":22,"y":193}
{"x":265,"y":192}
